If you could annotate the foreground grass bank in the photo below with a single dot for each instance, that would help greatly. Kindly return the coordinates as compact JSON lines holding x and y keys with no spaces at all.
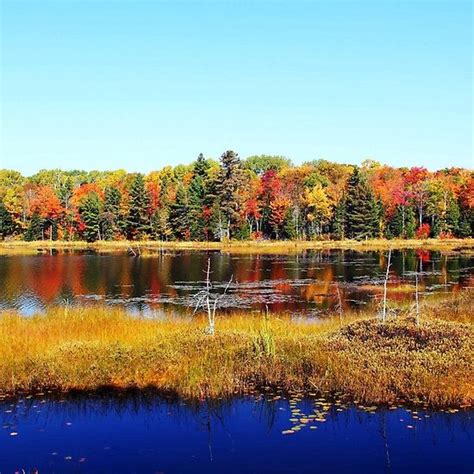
{"x":282,"y":246}
{"x":91,"y":348}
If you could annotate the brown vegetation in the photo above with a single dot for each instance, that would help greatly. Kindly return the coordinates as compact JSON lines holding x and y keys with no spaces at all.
{"x":282,"y":246}
{"x":90,"y":348}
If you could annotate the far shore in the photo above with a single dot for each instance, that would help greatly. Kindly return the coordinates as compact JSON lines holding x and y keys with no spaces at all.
{"x":235,"y":246}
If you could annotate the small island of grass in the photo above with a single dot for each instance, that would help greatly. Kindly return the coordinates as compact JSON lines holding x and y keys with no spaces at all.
{"x":357,"y":356}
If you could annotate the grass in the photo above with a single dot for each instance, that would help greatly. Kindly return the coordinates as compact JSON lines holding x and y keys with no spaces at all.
{"x":150,"y":247}
{"x":96,"y":347}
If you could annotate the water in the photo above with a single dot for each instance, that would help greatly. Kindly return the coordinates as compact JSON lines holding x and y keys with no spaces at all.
{"x":303,"y":283}
{"x":147,"y":433}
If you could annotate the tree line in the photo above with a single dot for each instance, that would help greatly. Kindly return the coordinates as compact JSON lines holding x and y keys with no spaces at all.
{"x":261,"y":197}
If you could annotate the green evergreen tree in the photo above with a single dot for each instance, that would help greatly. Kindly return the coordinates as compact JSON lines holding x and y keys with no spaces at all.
{"x":197,"y":197}
{"x":112,"y":222}
{"x":35,"y":228}
{"x":7,"y":225}
{"x":466,"y":223}
{"x":90,"y":215}
{"x":179,"y":215}
{"x":339,"y":221}
{"x":362,"y":211}
{"x":230,"y":182}
{"x":410,"y":222}
{"x":138,"y":221}
{"x":289,"y":225}
{"x":453,"y":216}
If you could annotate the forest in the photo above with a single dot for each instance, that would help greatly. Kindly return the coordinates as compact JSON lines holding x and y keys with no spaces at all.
{"x":260,"y":197}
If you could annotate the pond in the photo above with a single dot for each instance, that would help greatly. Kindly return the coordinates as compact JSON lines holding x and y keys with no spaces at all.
{"x":148,"y":433}
{"x":306,"y":283}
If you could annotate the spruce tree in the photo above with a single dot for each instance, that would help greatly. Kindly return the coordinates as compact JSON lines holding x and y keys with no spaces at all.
{"x":35,"y":228}
{"x":453,"y":216}
{"x":111,"y":219}
{"x":138,"y":221}
{"x":179,"y":215}
{"x":396,"y":226}
{"x":197,"y":196}
{"x":7,"y":225}
{"x":90,"y":215}
{"x":362,"y":211}
{"x":410,"y":222}
{"x":466,"y":223}
{"x":229,"y":186}
{"x":339,"y":222}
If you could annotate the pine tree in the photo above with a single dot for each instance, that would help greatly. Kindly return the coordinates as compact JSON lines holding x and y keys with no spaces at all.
{"x":111,"y":218}
{"x":339,"y":222}
{"x":35,"y":228}
{"x":410,"y":222}
{"x":362,"y":212}
{"x":231,"y":180}
{"x":179,"y":215}
{"x":197,"y":196}
{"x":453,"y":215}
{"x":396,"y":226}
{"x":138,"y":221}
{"x":90,"y":215}
{"x":7,"y":225}
{"x":466,"y":223}
{"x":403,"y":223}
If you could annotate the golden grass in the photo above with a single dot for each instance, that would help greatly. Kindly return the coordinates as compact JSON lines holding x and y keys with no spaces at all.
{"x":150,"y":247}
{"x":90,"y":348}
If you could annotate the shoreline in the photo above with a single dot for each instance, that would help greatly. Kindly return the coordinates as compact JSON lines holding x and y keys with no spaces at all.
{"x":150,"y":247}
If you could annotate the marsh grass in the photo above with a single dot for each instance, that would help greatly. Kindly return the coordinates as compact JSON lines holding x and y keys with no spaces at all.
{"x":90,"y":348}
{"x":286,"y":247}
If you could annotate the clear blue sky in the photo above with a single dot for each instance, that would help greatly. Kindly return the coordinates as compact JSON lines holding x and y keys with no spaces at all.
{"x":142,"y":84}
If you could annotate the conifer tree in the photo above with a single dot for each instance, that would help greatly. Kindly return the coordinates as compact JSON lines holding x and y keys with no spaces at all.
{"x":339,"y":222}
{"x":229,"y":186}
{"x":197,"y":196}
{"x":362,"y":212}
{"x":453,"y":216}
{"x":35,"y":228}
{"x":179,"y":215}
{"x":111,"y":219}
{"x":466,"y":223}
{"x":7,"y":226}
{"x":138,"y":221}
{"x":403,"y":223}
{"x":90,"y":214}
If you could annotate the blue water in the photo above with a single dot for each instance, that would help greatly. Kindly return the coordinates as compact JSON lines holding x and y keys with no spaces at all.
{"x":149,"y":434}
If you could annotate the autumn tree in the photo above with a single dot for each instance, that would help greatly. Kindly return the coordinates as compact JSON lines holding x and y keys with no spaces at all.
{"x":260,"y":164}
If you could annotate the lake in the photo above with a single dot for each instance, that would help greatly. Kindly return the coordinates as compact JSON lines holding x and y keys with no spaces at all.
{"x":307,"y":283}
{"x":147,"y":433}
{"x":270,"y":433}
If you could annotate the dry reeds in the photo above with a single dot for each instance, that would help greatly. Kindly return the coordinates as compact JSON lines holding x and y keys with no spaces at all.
{"x":89,"y":348}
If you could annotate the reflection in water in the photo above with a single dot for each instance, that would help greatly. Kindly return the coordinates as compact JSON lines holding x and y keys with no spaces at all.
{"x":303,"y":283}
{"x":146,"y":433}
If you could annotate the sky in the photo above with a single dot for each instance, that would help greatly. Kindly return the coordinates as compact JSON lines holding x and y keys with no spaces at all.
{"x":103,"y":84}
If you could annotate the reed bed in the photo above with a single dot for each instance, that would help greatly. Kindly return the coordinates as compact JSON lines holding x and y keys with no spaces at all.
{"x":368,"y":362}
{"x":150,"y":247}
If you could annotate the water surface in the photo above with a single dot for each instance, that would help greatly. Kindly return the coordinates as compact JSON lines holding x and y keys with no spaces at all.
{"x":147,"y":433}
{"x":306,"y":283}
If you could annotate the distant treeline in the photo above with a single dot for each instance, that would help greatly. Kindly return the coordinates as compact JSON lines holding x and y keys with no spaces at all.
{"x":261,"y":197}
